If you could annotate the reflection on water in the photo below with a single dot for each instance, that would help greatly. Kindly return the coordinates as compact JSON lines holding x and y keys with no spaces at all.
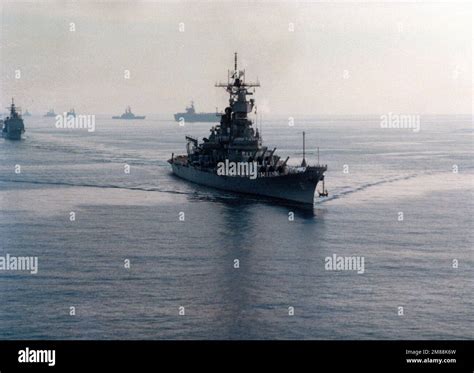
{"x":280,"y":248}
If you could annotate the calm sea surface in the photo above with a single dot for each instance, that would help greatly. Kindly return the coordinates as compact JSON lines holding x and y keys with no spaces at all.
{"x":190,"y":263}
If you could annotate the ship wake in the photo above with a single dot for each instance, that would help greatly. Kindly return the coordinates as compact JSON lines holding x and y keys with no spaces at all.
{"x":107,"y":186}
{"x":364,"y":187}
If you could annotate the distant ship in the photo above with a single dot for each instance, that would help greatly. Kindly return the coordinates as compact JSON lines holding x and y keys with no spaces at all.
{"x":191,"y":116}
{"x":71,"y":113}
{"x":128,"y":115}
{"x":26,"y":113}
{"x":50,"y":113}
{"x":13,"y":126}
{"x":235,"y":147}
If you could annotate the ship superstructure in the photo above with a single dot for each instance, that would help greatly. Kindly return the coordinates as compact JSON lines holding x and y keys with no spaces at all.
{"x":128,"y":115}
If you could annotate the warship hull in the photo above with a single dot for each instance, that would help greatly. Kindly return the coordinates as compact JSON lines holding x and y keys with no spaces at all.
{"x":295,"y":187}
{"x":135,"y":117}
{"x":12,"y":135}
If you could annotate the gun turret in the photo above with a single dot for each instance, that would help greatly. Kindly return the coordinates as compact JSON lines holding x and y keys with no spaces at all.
{"x":270,"y":157}
{"x":283,"y":165}
{"x":192,"y":139}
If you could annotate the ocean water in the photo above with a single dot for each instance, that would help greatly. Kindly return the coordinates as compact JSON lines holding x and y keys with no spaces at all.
{"x":190,"y":263}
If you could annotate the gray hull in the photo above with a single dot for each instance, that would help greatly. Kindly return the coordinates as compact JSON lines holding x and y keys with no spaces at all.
{"x":298,"y":188}
{"x":130,"y":118}
{"x":198,"y":117}
{"x":12,"y":135}
{"x":12,"y":129}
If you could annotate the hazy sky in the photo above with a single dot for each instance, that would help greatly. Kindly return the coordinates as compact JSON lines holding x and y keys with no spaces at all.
{"x":341,"y":58}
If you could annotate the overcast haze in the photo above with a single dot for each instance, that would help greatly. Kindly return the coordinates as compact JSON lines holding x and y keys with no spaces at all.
{"x":406,"y":58}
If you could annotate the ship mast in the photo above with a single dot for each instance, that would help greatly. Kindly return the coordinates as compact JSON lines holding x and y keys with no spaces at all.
{"x":14,"y":110}
{"x":238,"y":84}
{"x":303,"y":162}
{"x":235,"y":122}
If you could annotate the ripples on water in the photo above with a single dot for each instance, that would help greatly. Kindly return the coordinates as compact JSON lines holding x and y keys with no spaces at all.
{"x":190,"y":263}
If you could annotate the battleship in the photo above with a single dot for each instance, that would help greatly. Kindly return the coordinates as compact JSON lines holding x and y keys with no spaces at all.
{"x":191,"y":116}
{"x":50,"y":113}
{"x":13,"y":126}
{"x":128,"y":115}
{"x":235,"y":140}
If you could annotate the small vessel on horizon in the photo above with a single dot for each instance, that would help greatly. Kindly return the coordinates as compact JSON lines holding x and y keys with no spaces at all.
{"x":13,"y":126}
{"x":27,"y":113}
{"x":50,"y":113}
{"x":191,"y":116}
{"x":128,"y":115}
{"x":71,"y":113}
